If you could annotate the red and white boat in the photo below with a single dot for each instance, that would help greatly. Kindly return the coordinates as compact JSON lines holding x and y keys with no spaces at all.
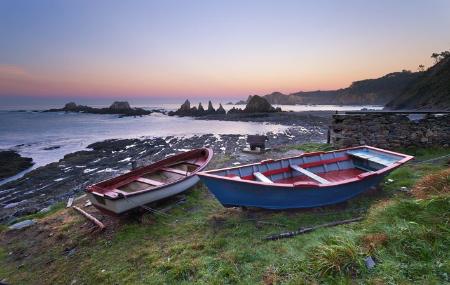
{"x":154,"y":182}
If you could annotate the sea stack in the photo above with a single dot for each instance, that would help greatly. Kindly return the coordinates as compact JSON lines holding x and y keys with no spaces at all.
{"x":221,"y":110}
{"x":211,"y":109}
{"x":258,"y":104}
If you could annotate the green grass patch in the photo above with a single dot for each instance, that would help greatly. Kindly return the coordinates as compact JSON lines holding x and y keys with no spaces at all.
{"x":312,"y":147}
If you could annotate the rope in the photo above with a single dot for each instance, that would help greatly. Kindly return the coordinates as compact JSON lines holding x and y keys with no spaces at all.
{"x":432,"y":159}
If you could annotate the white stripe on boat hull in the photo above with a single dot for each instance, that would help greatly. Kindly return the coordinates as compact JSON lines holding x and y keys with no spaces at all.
{"x":119,"y":206}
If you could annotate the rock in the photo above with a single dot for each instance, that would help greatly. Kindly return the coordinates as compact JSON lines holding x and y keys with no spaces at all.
{"x":221,"y":110}
{"x":120,"y":106}
{"x":22,"y":225}
{"x":45,"y":210}
{"x":186,"y":106}
{"x":234,"y":110}
{"x":52,"y":147}
{"x":70,"y":106}
{"x":211,"y":109}
{"x":12,"y":163}
{"x":404,"y":189}
{"x":200,"y":108}
{"x":370,"y":263}
{"x":258,"y":104}
{"x":11,"y":205}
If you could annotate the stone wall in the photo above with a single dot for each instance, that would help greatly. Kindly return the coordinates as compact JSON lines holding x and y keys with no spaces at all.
{"x":390,"y":130}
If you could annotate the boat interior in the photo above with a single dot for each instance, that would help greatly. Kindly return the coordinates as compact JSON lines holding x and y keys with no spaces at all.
{"x":153,"y":176}
{"x":321,"y":168}
{"x":159,"y":177}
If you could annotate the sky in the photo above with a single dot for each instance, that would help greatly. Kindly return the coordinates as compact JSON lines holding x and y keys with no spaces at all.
{"x":218,"y":49}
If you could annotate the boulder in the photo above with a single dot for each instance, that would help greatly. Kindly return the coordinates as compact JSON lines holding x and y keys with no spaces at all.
{"x":120,"y":106}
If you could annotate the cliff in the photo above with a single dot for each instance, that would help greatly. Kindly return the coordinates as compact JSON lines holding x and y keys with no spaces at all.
{"x":429,"y":91}
{"x":377,"y":91}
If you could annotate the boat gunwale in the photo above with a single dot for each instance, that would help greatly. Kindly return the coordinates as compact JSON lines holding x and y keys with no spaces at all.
{"x":309,"y":184}
{"x":93,"y":189}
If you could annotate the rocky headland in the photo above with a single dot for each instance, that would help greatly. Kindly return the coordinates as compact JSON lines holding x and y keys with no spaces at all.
{"x":122,"y":108}
{"x":12,"y":163}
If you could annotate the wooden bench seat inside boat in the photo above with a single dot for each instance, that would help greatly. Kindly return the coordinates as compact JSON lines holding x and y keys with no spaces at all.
{"x":177,"y":171}
{"x":332,"y":176}
{"x":310,"y":174}
{"x":370,"y":157}
{"x":261,"y":177}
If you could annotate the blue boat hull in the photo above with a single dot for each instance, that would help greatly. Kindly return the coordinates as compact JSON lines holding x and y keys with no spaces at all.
{"x":237,"y":193}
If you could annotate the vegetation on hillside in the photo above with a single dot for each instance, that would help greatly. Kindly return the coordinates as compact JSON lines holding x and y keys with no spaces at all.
{"x":377,"y":91}
{"x":200,"y":241}
{"x":429,"y":91}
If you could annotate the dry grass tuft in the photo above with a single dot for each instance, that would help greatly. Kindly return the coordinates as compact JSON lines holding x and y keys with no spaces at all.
{"x":373,"y":241}
{"x":434,"y":184}
{"x":270,"y":276}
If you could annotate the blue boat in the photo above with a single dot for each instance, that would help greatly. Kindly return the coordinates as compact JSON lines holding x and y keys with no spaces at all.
{"x":305,"y":181}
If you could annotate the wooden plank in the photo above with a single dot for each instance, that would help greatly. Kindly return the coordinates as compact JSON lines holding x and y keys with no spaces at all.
{"x":261,"y":177}
{"x":70,"y":202}
{"x":372,"y":158}
{"x":310,"y":174}
{"x":149,"y":181}
{"x":90,"y":217}
{"x":177,"y":171}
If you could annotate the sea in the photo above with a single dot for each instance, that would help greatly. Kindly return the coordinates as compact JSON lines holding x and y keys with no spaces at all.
{"x":47,"y":136}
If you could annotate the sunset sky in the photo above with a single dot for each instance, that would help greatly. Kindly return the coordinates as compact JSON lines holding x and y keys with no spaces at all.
{"x":179,"y":49}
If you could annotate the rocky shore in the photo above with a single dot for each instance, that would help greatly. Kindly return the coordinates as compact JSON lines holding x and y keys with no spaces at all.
{"x":68,"y":177}
{"x":12,"y":163}
{"x":122,"y":108}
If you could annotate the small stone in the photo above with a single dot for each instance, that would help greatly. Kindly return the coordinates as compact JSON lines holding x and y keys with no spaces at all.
{"x":404,"y":189}
{"x":103,"y":270}
{"x":370,"y":263}
{"x":21,"y":225}
{"x":44,"y":210}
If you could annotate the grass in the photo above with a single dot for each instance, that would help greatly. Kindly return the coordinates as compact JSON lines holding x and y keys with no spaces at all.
{"x":203,"y":243}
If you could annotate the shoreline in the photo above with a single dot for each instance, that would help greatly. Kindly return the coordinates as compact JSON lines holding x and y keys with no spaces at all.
{"x":57,"y":181}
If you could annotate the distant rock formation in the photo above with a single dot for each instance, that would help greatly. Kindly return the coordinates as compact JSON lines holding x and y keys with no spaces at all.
{"x":258,"y":104}
{"x":118,"y":107}
{"x":186,"y":110}
{"x":200,"y":108}
{"x":221,"y":110}
{"x":211,"y":109}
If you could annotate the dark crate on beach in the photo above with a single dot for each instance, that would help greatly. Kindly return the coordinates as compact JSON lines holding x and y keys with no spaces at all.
{"x":257,"y":141}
